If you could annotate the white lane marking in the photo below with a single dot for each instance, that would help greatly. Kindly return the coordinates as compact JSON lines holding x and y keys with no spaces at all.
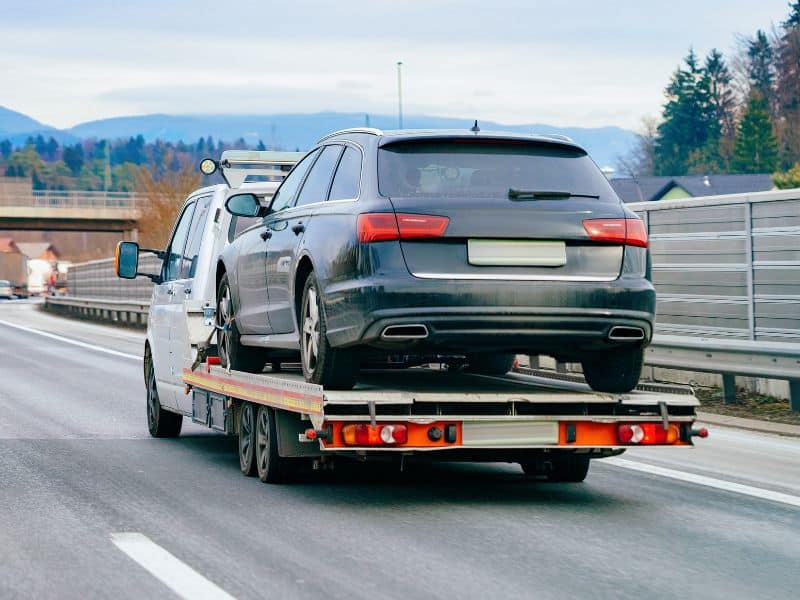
{"x":719,"y":484}
{"x":176,"y":575}
{"x":67,"y":340}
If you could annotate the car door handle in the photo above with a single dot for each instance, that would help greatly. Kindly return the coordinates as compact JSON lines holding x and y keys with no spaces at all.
{"x":299,"y":228}
{"x":266,"y":234}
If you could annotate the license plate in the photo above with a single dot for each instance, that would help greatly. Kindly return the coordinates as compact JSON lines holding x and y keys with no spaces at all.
{"x":509,"y":433}
{"x":516,"y":253}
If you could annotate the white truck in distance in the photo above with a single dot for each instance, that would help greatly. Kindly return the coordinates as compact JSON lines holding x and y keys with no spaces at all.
{"x":285,"y":425}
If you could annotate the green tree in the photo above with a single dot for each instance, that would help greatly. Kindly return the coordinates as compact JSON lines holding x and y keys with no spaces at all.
{"x":687,"y":118}
{"x":760,"y":65}
{"x":756,"y":148}
{"x":788,"y":179}
{"x":787,"y":88}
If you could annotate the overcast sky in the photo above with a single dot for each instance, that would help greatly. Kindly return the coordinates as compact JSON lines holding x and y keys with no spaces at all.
{"x":565,"y":63}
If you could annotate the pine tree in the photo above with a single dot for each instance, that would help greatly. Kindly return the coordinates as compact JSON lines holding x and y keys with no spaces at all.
{"x":688,"y":114}
{"x":760,"y":65}
{"x":756,"y":147}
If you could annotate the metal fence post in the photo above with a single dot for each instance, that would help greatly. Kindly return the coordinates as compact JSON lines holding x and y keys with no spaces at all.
{"x":729,"y":388}
{"x":751,"y":303}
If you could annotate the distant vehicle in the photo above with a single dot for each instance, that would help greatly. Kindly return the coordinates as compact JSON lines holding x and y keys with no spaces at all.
{"x":478,"y":245}
{"x":14,"y":269}
{"x":6,"y":289}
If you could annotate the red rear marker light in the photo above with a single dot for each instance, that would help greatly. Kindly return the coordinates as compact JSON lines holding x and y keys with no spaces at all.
{"x":379,"y":227}
{"x":378,"y":435}
{"x":630,"y":232}
{"x":647,"y":433}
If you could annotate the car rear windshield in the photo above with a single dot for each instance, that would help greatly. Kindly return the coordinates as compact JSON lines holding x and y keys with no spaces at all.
{"x":487,"y":168}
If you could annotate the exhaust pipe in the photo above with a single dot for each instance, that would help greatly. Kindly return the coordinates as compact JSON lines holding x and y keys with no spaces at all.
{"x":414,"y":331}
{"x":626,"y":334}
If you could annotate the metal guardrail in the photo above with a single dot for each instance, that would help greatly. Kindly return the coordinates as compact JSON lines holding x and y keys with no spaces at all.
{"x":72,"y":199}
{"x":117,"y":311}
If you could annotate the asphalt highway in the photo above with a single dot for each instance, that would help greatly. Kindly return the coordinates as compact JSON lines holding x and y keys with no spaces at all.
{"x":92,"y":507}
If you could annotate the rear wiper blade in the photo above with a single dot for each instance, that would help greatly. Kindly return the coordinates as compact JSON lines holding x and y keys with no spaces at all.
{"x":516,"y":194}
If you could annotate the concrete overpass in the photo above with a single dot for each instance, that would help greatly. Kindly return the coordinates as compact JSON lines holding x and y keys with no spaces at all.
{"x":71,"y":211}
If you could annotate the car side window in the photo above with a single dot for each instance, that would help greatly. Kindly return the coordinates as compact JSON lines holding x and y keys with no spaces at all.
{"x":285,"y":194}
{"x":347,"y":181}
{"x":172,"y":264}
{"x":190,"y":255}
{"x":315,"y":189}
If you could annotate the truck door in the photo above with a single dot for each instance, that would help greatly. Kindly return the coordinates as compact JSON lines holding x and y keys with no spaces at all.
{"x":185,"y":293}
{"x":160,"y":323}
{"x":287,"y":229}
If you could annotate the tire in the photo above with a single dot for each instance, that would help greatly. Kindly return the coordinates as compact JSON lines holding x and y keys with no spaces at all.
{"x":231,"y":353}
{"x":271,"y":467}
{"x":564,"y":468}
{"x":160,"y":423}
{"x":490,"y":364}
{"x":247,"y":439}
{"x":616,"y":371}
{"x":333,"y":368}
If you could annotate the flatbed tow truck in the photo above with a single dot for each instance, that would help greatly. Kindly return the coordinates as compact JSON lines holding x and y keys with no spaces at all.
{"x":551,"y":428}
{"x":435,"y":411}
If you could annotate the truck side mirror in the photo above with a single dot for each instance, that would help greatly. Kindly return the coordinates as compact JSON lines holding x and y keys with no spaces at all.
{"x":126,"y":260}
{"x":243,"y":205}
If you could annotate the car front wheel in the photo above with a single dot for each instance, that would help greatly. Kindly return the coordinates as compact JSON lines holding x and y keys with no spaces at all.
{"x":231,"y":353}
{"x":333,"y":368}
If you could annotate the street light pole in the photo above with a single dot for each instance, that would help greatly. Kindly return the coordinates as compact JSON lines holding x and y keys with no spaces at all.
{"x":400,"y":93}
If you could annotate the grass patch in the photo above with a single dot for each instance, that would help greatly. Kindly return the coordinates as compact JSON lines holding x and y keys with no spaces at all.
{"x":749,"y":405}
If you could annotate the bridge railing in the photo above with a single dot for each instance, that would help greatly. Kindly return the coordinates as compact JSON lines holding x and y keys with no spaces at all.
{"x":72,"y":199}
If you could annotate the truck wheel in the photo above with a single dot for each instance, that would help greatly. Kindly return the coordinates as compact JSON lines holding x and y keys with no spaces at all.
{"x":271,"y":467}
{"x":564,"y":468}
{"x":161,"y":423}
{"x":231,"y":353}
{"x":616,"y":371}
{"x":333,"y":368}
{"x":247,"y":439}
{"x":490,"y":364}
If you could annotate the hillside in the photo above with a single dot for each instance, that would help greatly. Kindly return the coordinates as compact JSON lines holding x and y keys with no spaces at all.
{"x":18,"y":127}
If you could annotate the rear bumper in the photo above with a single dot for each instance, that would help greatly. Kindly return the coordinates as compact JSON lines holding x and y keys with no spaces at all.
{"x":558,"y":318}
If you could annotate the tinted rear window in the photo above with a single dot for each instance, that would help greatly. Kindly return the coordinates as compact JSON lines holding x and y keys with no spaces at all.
{"x":444,"y":168}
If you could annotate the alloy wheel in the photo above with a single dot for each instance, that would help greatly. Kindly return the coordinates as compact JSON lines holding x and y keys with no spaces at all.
{"x":153,"y":405}
{"x":224,"y":319}
{"x":262,"y":440}
{"x":311,"y":330}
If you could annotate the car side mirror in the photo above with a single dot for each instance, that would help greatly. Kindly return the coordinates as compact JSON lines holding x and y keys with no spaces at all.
{"x":126,"y":261}
{"x":243,"y":205}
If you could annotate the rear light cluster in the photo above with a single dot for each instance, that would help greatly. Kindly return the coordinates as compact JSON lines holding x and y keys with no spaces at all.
{"x":630,"y":232}
{"x":647,"y":433}
{"x":374,"y":435}
{"x":380,"y":227}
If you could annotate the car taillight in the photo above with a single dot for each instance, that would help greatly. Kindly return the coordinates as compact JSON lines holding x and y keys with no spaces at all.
{"x":379,"y":227}
{"x":630,"y":232}
{"x":647,"y":433}
{"x":377,"y":435}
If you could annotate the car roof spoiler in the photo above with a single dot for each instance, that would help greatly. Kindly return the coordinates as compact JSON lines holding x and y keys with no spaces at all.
{"x":251,"y":166}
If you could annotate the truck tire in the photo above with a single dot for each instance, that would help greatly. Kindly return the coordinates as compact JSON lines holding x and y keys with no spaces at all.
{"x":490,"y":364}
{"x":160,"y":423}
{"x":271,"y":467}
{"x":562,"y":468}
{"x":333,"y":368}
{"x":247,"y":439}
{"x":615,"y":371}
{"x":231,"y":353}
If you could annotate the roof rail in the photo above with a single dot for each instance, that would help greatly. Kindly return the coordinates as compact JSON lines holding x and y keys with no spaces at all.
{"x":367,"y":130}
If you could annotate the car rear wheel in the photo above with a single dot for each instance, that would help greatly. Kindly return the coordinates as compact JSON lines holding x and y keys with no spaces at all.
{"x":271,"y":467}
{"x":616,"y":371}
{"x":490,"y":364}
{"x":333,"y":368}
{"x":231,"y":353}
{"x":160,"y":423}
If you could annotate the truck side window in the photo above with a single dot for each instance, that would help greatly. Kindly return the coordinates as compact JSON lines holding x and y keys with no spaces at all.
{"x":175,"y":251}
{"x":190,"y":255}
{"x":315,"y":189}
{"x":347,"y":181}
{"x":285,"y":195}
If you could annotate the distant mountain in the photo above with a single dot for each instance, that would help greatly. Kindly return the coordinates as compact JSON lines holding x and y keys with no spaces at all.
{"x":292,"y":131}
{"x":301,"y":131}
{"x":18,"y":127}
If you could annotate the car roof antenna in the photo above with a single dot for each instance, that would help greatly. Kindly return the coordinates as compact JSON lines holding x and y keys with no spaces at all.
{"x":475,"y":129}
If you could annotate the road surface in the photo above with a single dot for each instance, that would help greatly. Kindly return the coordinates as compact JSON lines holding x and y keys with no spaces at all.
{"x":91,"y":507}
